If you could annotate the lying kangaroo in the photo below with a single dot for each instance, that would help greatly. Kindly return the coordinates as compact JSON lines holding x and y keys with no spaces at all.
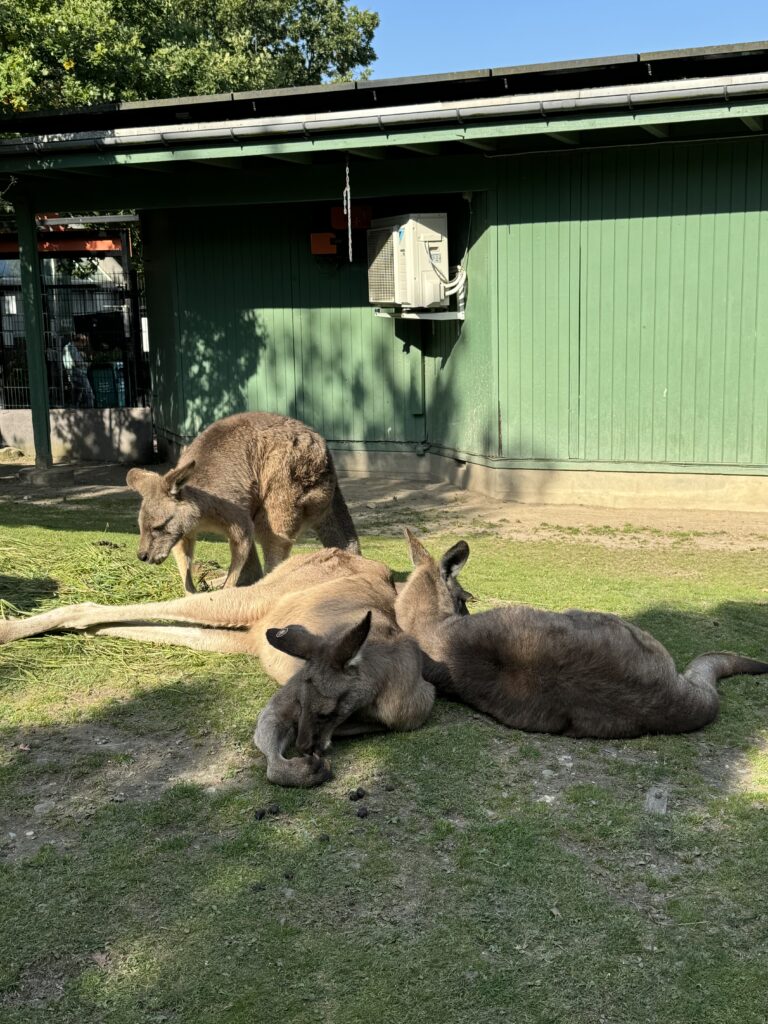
{"x":339,"y":676}
{"x":253,"y":475}
{"x":575,"y":673}
{"x":343,"y":689}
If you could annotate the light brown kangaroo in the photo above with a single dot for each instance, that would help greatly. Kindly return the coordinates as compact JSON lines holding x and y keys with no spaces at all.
{"x":251,"y":476}
{"x":340,"y":678}
{"x":575,"y":673}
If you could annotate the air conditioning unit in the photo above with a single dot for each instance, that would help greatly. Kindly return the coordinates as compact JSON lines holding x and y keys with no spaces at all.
{"x":408,"y":261}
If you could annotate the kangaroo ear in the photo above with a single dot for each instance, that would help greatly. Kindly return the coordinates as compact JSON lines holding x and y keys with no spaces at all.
{"x":294,"y":640}
{"x":140,"y":480}
{"x":348,"y":647}
{"x":454,"y":560}
{"x":419,"y":554}
{"x":176,"y":478}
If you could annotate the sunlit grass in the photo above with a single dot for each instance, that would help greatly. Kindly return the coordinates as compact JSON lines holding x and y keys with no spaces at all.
{"x":500,"y":877}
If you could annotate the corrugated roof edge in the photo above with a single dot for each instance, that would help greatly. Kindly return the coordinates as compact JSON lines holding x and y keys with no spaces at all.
{"x":565,"y":65}
{"x":706,"y":51}
{"x":382,"y":83}
{"x":453,"y":76}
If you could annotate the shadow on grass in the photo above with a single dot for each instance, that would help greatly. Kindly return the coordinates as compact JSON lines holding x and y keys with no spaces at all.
{"x":179,"y":904}
{"x":117,"y":512}
{"x":26,"y":593}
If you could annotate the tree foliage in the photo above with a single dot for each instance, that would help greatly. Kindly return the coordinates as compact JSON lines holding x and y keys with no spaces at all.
{"x":65,"y":53}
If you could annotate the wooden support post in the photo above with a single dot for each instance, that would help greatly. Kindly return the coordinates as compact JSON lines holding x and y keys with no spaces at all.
{"x":32,"y":304}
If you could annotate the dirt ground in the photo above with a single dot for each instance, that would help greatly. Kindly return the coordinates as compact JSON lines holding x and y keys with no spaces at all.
{"x":384,"y":505}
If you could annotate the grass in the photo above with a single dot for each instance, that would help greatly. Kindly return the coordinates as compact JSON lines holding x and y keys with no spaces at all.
{"x":505,"y":877}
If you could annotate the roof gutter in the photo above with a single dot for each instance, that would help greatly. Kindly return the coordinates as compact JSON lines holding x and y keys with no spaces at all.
{"x":543,"y":105}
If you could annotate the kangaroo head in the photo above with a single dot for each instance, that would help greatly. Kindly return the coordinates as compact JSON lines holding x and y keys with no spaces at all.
{"x":331,"y":685}
{"x":432,"y":592}
{"x":165,"y":515}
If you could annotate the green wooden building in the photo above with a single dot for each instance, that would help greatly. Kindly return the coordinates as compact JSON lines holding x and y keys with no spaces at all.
{"x":611,"y":215}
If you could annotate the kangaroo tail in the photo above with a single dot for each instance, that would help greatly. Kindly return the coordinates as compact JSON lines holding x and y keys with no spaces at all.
{"x":337,"y":530}
{"x":708,"y":668}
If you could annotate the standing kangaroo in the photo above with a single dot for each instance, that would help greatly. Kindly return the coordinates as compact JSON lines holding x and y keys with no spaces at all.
{"x":251,"y":476}
{"x":574,"y":673}
{"x":341,"y":678}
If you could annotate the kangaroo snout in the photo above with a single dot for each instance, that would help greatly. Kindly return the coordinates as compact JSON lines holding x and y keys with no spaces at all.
{"x":152,"y":557}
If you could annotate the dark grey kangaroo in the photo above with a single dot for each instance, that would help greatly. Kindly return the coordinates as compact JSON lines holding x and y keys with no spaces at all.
{"x":574,"y":673}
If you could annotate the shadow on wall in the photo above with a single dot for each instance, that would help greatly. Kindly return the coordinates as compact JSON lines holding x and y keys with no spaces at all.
{"x":105,"y":435}
{"x":265,"y":325}
{"x":87,"y":435}
{"x":218,"y":359}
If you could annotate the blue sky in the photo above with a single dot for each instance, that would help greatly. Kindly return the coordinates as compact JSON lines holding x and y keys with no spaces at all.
{"x":419,"y":37}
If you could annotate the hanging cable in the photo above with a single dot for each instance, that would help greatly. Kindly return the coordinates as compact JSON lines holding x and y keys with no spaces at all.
{"x":346,"y":197}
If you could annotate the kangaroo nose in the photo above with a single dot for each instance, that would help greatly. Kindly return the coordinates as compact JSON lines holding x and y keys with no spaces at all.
{"x":143,"y":556}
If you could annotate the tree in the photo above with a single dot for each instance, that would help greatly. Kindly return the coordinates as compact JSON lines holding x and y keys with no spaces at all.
{"x":65,"y":53}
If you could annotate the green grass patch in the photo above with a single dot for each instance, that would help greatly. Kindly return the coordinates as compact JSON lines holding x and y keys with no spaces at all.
{"x":499,"y":876}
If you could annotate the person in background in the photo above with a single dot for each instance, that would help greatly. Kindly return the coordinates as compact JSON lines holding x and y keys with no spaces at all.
{"x":73,"y":358}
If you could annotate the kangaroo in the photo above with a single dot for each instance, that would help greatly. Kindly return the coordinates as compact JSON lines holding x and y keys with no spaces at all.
{"x":343,"y":689}
{"x":251,"y":476}
{"x":573,"y":673}
{"x":309,"y":622}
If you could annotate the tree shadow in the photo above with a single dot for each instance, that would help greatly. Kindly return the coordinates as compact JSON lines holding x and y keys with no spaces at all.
{"x":151,"y":857}
{"x":102,"y":435}
{"x":271,"y":327}
{"x":26,"y":593}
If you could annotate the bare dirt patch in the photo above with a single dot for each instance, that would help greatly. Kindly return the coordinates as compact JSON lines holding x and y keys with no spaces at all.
{"x":79,"y":769}
{"x":385,"y":506}
{"x":382,"y":505}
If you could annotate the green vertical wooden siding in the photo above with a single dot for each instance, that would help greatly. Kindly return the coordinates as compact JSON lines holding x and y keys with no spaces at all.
{"x":538,"y":298}
{"x":261,"y":324}
{"x":632,"y":301}
{"x":461,"y":373}
{"x":165,"y":344}
{"x":616,"y":317}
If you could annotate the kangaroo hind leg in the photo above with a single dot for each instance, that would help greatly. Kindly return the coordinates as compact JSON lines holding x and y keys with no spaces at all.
{"x":227,"y":608}
{"x":198,"y":638}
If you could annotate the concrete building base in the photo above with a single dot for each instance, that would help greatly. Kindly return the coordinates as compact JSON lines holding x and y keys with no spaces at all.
{"x":56,"y":476}
{"x":84,"y":435}
{"x":609,"y":489}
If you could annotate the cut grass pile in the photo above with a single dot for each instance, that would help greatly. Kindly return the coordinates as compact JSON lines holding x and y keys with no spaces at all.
{"x":499,"y":876}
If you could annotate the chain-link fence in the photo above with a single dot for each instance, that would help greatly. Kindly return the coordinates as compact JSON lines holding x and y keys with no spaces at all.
{"x":95,"y":336}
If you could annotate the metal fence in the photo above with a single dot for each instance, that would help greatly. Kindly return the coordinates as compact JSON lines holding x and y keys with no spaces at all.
{"x":95,"y":337}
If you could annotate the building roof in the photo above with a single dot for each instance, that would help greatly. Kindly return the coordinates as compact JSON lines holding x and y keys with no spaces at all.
{"x":286,"y":144}
{"x":589,"y":73}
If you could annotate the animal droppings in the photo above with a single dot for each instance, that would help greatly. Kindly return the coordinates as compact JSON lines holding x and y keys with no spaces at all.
{"x":362,"y":812}
{"x":357,"y":794}
{"x":259,"y":813}
{"x":274,"y":809}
